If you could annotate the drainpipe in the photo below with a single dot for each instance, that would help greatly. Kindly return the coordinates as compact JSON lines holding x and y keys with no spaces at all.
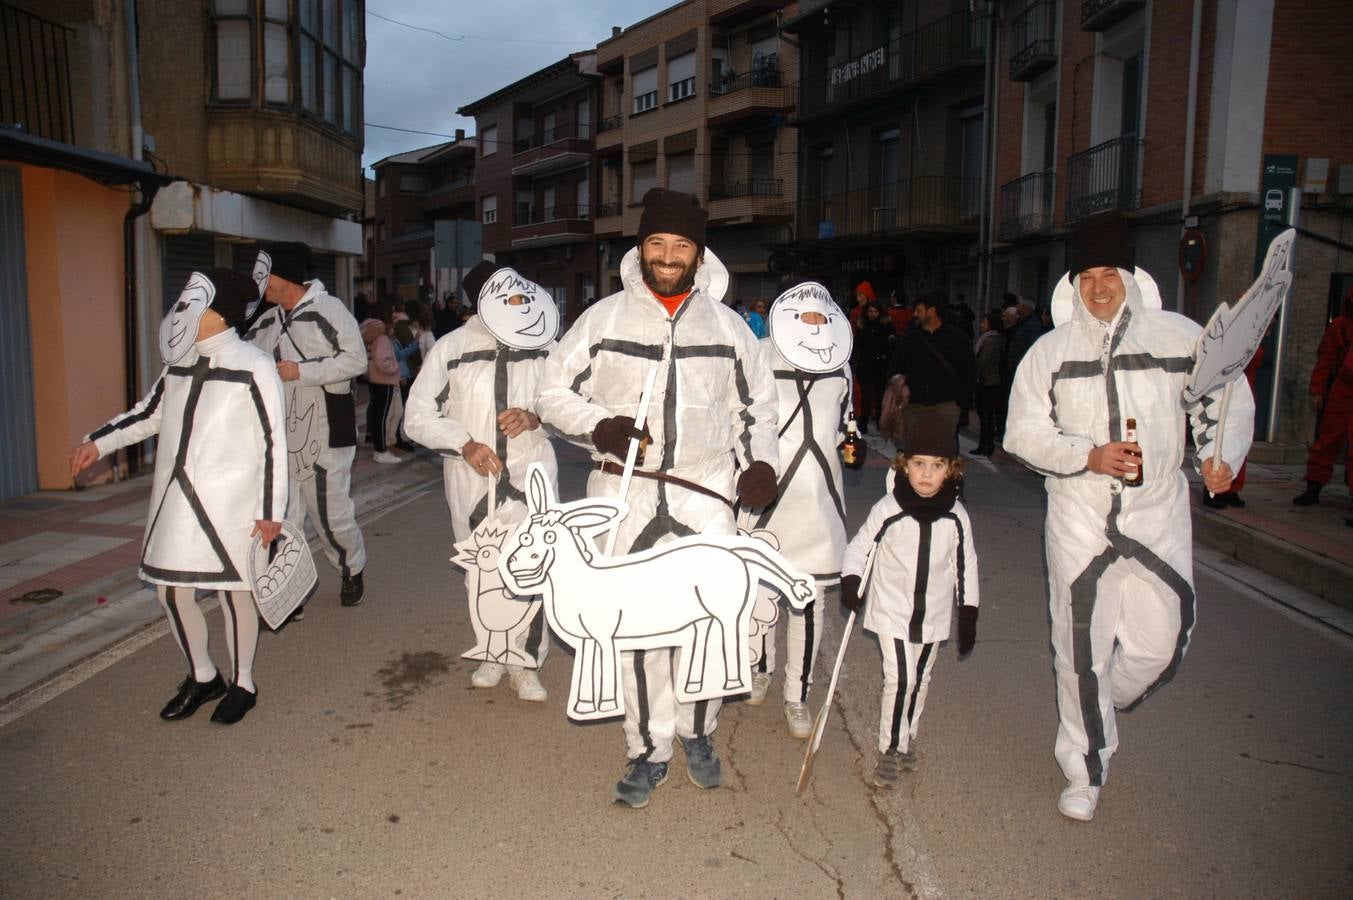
{"x":1190,"y":134}
{"x":987,"y":219}
{"x":129,"y":329}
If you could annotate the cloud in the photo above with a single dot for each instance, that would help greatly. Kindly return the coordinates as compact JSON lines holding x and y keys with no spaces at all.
{"x":418,"y":80}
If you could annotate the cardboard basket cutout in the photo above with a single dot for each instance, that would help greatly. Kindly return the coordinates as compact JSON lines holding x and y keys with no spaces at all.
{"x":499,"y":618}
{"x":282,"y":575}
{"x":696,"y":593}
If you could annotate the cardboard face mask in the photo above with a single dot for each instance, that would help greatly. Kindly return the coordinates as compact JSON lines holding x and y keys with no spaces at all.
{"x":262,"y":271}
{"x":178,"y":331}
{"x":518,"y":312}
{"x":809,"y":330}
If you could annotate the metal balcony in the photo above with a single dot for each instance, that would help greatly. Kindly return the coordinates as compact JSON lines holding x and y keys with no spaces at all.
{"x":1107,"y":176}
{"x":611,"y":122}
{"x":753,"y":187}
{"x":1100,"y":15}
{"x":1033,"y":37}
{"x":1026,"y":206}
{"x":544,"y":226}
{"x":766,"y":76}
{"x":35,"y":85}
{"x":928,"y":204}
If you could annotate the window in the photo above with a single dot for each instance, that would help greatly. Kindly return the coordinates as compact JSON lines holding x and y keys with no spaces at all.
{"x":582,"y":119}
{"x":550,"y":211}
{"x":643,"y":176}
{"x":681,"y":172}
{"x":582,"y":195}
{"x":525,"y":199}
{"x":234,"y":50}
{"x":645,"y":89}
{"x":488,"y":141}
{"x":547,"y":128}
{"x":681,"y":77}
{"x":489,"y":205}
{"x":413,"y":182}
{"x":761,"y":161}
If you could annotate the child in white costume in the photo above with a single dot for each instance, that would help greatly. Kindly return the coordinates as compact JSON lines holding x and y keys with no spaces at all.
{"x":472,"y":402}
{"x":808,"y":349}
{"x":220,"y":478}
{"x":916,"y":555}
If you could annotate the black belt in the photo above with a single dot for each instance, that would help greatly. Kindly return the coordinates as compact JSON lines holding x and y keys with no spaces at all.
{"x":614,"y":468}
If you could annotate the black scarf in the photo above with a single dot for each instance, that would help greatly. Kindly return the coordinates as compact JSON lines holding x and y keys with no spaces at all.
{"x":924,"y":509}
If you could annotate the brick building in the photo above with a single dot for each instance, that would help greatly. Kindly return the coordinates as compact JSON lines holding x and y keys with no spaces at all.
{"x":1092,"y":112}
{"x":693,"y":99}
{"x":535,"y":177}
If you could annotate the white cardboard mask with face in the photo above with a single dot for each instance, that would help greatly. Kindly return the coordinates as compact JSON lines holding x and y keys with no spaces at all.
{"x":518,"y":312}
{"x":809,"y":330}
{"x":178,"y":331}
{"x":262,"y":271}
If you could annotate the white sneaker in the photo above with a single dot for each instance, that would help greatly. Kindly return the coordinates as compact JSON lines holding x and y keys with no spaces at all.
{"x":1078,"y":801}
{"x":527,"y":684}
{"x":800,"y":722}
{"x":385,"y":456}
{"x":488,"y":675}
{"x":760,"y":685}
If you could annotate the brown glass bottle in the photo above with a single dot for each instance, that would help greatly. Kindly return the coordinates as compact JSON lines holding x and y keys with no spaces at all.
{"x":852,"y":448}
{"x":1130,"y":434}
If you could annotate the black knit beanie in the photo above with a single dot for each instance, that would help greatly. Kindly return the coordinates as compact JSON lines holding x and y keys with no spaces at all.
{"x":672,"y":212}
{"x":1101,"y":240}
{"x":930,"y":435}
{"x":291,"y":261}
{"x":474,"y":280}
{"x":234,"y":292}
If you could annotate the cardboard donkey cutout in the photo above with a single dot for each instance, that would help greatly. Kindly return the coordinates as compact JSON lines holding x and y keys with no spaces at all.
{"x":695,"y":593}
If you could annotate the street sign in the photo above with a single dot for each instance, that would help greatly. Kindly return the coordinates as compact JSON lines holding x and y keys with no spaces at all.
{"x":1275,"y":194}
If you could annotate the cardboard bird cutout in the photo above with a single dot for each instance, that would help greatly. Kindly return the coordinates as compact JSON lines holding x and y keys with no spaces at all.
{"x":499,"y":618}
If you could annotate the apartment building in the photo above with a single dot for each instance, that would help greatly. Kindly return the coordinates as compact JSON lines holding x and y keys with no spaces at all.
{"x":416,"y":193}
{"x":133,"y":152}
{"x":535,"y":177}
{"x":1094,"y":111}
{"x":892,"y":144}
{"x":694,"y":99}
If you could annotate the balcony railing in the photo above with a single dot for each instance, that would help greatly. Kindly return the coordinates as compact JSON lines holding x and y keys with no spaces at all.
{"x":1107,"y":176}
{"x":955,"y":41}
{"x":768,"y":77}
{"x":1032,"y":37}
{"x":536,"y":215}
{"x":609,"y":208}
{"x":753,"y":187}
{"x":1099,"y":15}
{"x":610,"y":122}
{"x":928,"y":203}
{"x":35,"y":86}
{"x":1026,"y":206}
{"x":579,"y":132}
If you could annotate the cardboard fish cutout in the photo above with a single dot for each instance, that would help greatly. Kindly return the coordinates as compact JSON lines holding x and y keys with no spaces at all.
{"x":499,"y":618}
{"x":695,"y":593}
{"x":808,"y":329}
{"x":517,"y":311}
{"x":1233,"y":334}
{"x":178,"y":331}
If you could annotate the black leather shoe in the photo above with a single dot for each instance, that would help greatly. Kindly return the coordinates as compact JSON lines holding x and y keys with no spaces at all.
{"x":237,"y":702}
{"x":1214,"y":501}
{"x":352,"y":590}
{"x":192,"y":694}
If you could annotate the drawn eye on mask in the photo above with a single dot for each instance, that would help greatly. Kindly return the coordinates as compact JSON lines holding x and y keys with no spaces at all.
{"x":262,"y":272}
{"x":808,"y":329}
{"x":518,"y":312}
{"x":178,"y":331}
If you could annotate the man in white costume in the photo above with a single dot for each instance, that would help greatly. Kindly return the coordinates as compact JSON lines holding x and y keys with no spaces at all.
{"x":713,"y":407}
{"x":808,"y":350}
{"x":220,"y":478}
{"x":471,"y":402}
{"x":1120,"y":564}
{"x":319,"y":350}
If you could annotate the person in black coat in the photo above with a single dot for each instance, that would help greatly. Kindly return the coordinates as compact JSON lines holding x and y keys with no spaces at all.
{"x":936,"y":363}
{"x":869,"y":362}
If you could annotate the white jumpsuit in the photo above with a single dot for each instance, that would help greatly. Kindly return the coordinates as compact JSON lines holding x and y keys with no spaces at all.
{"x":321,"y":336}
{"x":467,"y":379}
{"x":713,"y":408}
{"x":1120,"y":564}
{"x":808,"y":518}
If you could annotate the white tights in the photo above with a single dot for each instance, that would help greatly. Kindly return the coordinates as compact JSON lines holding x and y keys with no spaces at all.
{"x":189,"y":627}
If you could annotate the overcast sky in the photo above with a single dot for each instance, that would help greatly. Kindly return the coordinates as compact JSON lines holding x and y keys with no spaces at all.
{"x":417,"y":80}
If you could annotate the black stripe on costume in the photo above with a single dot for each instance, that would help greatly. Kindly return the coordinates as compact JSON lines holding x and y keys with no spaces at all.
{"x":701,"y":712}
{"x":535,"y":637}
{"x":960,"y":584}
{"x":806,"y":679}
{"x":171,"y":606}
{"x":156,"y":394}
{"x":472,"y":356}
{"x":1084,"y":590}
{"x":322,"y":512}
{"x":922,"y":659}
{"x":641,"y":688}
{"x":325,"y":327}
{"x":262,"y":411}
{"x":918,"y":598}
{"x":744,"y":440}
{"x":703,"y":351}
{"x":899,"y":698}
{"x":1140,"y":362}
{"x":626,"y":348}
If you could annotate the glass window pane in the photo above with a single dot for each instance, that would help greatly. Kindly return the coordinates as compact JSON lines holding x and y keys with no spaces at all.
{"x":349,"y":99}
{"x":232,"y":7}
{"x":276,"y":9}
{"x":309,"y":96}
{"x":232,"y":60}
{"x":276,"y":64}
{"x":351,"y":22}
{"x":331,"y":88}
{"x":331,"y":23}
{"x":307,"y":14}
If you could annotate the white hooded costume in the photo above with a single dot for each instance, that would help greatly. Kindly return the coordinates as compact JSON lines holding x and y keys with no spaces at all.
{"x":468,"y":378}
{"x":1120,"y":566}
{"x":808,"y":518}
{"x":713,"y":408}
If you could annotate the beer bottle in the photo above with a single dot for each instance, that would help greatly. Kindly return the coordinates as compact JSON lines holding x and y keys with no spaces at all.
{"x":1130,"y":434}
{"x":852,"y":448}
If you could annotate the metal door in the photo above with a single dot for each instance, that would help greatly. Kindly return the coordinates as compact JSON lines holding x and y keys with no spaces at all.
{"x":18,"y":447}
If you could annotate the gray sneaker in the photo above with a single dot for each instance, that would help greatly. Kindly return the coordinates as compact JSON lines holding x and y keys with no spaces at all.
{"x":888,"y":767}
{"x":635,"y":789}
{"x":702,"y":763}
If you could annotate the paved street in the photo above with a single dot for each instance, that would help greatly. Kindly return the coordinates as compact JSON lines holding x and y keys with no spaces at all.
{"x":371,"y":768}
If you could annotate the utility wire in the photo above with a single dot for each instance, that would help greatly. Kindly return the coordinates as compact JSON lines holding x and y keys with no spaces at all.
{"x":472,"y":37}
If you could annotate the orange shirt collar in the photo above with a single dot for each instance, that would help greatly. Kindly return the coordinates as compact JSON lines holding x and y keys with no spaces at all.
{"x":671,"y":304}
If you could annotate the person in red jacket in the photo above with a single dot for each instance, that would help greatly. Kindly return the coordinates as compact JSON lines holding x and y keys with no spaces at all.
{"x":1332,"y":397}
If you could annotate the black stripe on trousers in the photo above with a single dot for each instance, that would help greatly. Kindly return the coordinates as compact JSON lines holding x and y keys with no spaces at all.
{"x":900,"y":698}
{"x":322,"y":510}
{"x":1083,"y":592}
{"x":921,"y":660}
{"x":806,"y":675}
{"x":235,"y":627}
{"x":641,"y":688}
{"x":170,"y":605}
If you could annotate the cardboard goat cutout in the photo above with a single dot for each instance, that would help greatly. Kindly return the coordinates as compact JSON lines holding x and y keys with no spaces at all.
{"x":695,"y":593}
{"x":1233,"y":334}
{"x":500,"y":619}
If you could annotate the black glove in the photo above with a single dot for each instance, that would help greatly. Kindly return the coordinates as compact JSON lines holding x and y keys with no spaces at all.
{"x":967,"y":630}
{"x":757,"y":487}
{"x":613,"y":435}
{"x":850,"y":593}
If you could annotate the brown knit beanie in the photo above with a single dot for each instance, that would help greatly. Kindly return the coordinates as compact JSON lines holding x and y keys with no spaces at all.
{"x":1101,"y":240}
{"x":672,"y":212}
{"x":930,"y":435}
